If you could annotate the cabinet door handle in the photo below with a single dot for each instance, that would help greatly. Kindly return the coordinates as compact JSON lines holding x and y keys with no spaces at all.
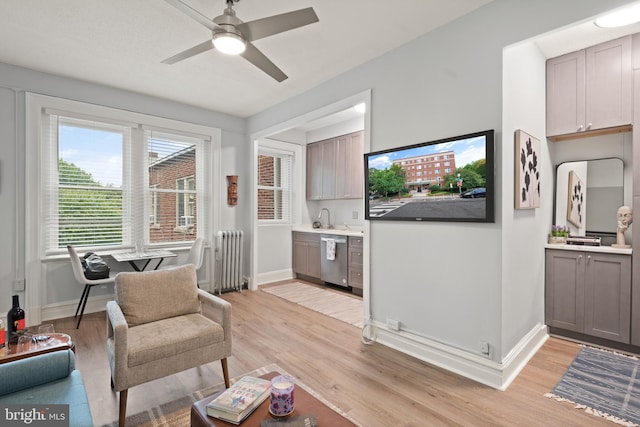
{"x":589,"y":126}
{"x":588,"y":259}
{"x":580,"y":128}
{"x":579,"y":258}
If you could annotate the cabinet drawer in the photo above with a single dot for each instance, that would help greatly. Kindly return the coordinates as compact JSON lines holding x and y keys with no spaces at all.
{"x":355,"y":277}
{"x":300,"y":236}
{"x":355,"y":256}
{"x":356,"y":242}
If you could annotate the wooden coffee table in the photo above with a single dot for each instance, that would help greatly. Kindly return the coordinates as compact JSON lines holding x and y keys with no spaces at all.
{"x":62,"y":342}
{"x":305,"y":404}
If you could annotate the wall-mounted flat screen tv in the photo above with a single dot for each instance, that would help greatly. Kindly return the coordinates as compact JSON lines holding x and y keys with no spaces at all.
{"x":450,"y":179}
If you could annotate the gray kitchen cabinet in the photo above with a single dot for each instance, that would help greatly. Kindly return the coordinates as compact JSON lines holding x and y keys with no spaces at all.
{"x":349,"y":166}
{"x":315,"y":154}
{"x":590,"y":90}
{"x":306,"y":254}
{"x":321,"y":157}
{"x":635,"y":291}
{"x":355,"y":264}
{"x":335,"y":168}
{"x":589,"y":293}
{"x":635,"y":53}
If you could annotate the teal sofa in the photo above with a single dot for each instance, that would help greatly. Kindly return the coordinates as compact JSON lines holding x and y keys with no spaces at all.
{"x":46,"y":379}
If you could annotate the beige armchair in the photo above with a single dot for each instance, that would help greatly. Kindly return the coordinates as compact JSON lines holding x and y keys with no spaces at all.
{"x":160,"y":324}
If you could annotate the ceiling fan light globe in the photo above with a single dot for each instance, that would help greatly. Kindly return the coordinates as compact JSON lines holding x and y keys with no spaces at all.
{"x":229,"y":43}
{"x":619,"y":18}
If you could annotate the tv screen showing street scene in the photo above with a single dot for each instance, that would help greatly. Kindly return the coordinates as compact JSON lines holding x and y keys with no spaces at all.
{"x":449,"y":179}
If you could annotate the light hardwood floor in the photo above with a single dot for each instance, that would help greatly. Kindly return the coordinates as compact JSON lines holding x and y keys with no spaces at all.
{"x":376,"y":385}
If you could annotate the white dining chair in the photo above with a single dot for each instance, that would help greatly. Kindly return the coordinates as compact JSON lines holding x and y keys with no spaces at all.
{"x":195,"y":256}
{"x":78,"y":273}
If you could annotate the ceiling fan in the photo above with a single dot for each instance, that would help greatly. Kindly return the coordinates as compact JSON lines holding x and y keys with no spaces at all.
{"x":231,"y":35}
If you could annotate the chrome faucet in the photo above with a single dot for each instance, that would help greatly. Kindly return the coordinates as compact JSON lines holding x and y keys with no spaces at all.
{"x":328,"y":217}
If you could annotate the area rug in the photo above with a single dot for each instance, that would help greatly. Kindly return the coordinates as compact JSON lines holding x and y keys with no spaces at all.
{"x":603,"y":383}
{"x":330,"y":303}
{"x":178,"y":412}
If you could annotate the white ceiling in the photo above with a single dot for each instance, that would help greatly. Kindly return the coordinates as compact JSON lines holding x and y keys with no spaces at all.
{"x":121,"y":43}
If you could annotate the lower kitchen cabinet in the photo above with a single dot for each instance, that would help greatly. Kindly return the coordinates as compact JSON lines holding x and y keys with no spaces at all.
{"x":355,"y":264}
{"x":306,"y":254}
{"x":589,"y":293}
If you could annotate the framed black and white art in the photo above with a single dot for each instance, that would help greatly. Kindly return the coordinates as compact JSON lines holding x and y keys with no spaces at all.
{"x":576,"y":200}
{"x":527,"y":173}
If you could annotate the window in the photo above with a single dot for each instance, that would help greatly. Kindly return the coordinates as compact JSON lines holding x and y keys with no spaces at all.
{"x":83,"y":194}
{"x":110,"y":178}
{"x":154,"y":208}
{"x":185,"y":199}
{"x":172,"y":161}
{"x":274,"y":186}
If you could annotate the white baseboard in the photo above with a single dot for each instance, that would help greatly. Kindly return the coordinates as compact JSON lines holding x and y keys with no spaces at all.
{"x":520,"y":355}
{"x":498,"y":375}
{"x":274,"y":276}
{"x":68,"y":309}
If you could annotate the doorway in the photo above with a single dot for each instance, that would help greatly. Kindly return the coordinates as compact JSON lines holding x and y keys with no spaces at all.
{"x":290,"y":133}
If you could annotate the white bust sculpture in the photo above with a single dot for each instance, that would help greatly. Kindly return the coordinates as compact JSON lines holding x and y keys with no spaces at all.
{"x":625,"y":218}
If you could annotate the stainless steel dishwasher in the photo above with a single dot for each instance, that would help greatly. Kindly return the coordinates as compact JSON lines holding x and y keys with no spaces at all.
{"x":334,"y":271}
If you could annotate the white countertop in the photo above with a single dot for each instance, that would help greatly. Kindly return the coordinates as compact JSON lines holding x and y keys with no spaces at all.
{"x":586,"y":248}
{"x":353,"y":230}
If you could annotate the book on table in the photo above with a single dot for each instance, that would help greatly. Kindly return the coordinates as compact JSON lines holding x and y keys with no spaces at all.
{"x":238,"y":401}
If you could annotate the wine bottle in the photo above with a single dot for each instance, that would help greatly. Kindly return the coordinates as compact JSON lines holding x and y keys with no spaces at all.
{"x":15,"y":321}
{"x":3,"y":340}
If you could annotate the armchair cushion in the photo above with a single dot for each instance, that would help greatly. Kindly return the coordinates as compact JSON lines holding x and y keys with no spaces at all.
{"x":178,"y":335}
{"x":157,"y":295}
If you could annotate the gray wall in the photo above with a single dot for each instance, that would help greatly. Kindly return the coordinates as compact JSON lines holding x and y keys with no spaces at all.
{"x":449,"y":282}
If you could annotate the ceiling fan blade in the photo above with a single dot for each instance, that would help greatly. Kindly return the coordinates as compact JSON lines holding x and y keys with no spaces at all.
{"x":257,"y":58}
{"x":254,"y":30}
{"x":192,"y":13}
{"x":202,"y":47}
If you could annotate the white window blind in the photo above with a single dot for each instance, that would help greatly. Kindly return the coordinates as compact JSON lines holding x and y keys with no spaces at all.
{"x":107,"y":183}
{"x":82,"y":182}
{"x":274,"y":186}
{"x":173,"y":185}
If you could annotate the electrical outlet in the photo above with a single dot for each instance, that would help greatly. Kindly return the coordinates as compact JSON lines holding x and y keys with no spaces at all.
{"x":393,"y":324}
{"x":484,"y":347}
{"x":18,"y":285}
{"x":354,"y":215}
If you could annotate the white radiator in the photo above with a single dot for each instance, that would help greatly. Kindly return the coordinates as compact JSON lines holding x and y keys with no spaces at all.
{"x":229,"y":262}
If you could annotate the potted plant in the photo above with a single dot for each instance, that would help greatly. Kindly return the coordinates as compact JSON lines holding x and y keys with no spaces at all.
{"x":559,"y":234}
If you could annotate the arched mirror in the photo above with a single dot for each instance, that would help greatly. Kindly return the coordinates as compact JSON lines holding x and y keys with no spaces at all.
{"x":588,"y":195}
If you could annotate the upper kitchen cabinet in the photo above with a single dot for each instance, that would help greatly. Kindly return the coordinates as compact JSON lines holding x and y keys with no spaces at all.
{"x":320,"y":170}
{"x":335,"y":168}
{"x":590,"y":90}
{"x":349,"y":166}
